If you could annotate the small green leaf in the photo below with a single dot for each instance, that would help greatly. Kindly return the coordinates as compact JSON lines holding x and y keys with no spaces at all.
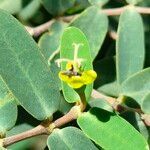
{"x":29,"y":10}
{"x":111,"y":131}
{"x":133,"y":1}
{"x":64,"y":106}
{"x":74,"y":35}
{"x":50,"y":41}
{"x":8,"y":108}
{"x":57,"y":7}
{"x":98,"y":2}
{"x":130,"y":49}
{"x":100,"y":103}
{"x":49,"y":45}
{"x":24,"y":70}
{"x":137,"y":86}
{"x":88,"y":22}
{"x":146,"y":103}
{"x":69,"y":138}
{"x":12,"y":6}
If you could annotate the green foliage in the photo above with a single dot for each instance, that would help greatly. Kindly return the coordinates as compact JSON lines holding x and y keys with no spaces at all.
{"x":69,"y":138}
{"x":28,"y":11}
{"x":130,"y":50}
{"x":57,"y":7}
{"x":8,"y":109}
{"x":87,"y":22}
{"x":137,"y":85}
{"x":98,"y":2}
{"x":29,"y":72}
{"x":106,"y":123}
{"x":12,"y":6}
{"x":133,"y":1}
{"x":47,"y":80}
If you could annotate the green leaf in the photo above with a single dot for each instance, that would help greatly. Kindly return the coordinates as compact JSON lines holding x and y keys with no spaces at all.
{"x":69,"y":138}
{"x":137,"y":86}
{"x":100,"y":103}
{"x":12,"y":6}
{"x":106,"y":76}
{"x":98,"y":2}
{"x":74,"y":35}
{"x":113,"y":132}
{"x":130,"y":49}
{"x":24,"y":70}
{"x":64,"y":107}
{"x":146,"y":103}
{"x":94,"y":25}
{"x":27,"y":12}
{"x":112,"y":89}
{"x":133,"y":1}
{"x":57,"y":7}
{"x":135,"y":120}
{"x":49,"y":42}
{"x":8,"y":108}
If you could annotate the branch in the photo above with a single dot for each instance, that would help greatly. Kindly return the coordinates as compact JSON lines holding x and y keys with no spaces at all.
{"x":118,"y":11}
{"x":45,"y":128}
{"x":36,"y":31}
{"x":39,"y":130}
{"x":116,"y":105}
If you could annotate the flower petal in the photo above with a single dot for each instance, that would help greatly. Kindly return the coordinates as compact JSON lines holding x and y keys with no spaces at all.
{"x":89,"y":76}
{"x":75,"y":82}
{"x":63,"y":77}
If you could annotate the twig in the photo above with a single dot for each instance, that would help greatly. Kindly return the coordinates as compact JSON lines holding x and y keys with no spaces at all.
{"x":45,"y":128}
{"x":116,"y":104}
{"x":113,"y":35}
{"x":40,"y":129}
{"x":70,"y":116}
{"x":36,"y":31}
{"x":118,"y":11}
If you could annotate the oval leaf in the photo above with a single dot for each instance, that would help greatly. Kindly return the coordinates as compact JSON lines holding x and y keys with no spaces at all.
{"x":8,"y":108}
{"x":130,"y":49}
{"x":69,"y":138}
{"x":137,"y":85}
{"x":24,"y":70}
{"x":94,"y":25}
{"x":133,"y":1}
{"x":74,"y":35}
{"x":12,"y":6}
{"x":146,"y":103}
{"x":57,"y":7}
{"x":98,"y":2}
{"x":111,"y":131}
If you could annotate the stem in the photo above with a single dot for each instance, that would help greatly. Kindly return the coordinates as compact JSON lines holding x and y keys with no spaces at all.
{"x":40,"y":129}
{"x":36,"y":31}
{"x":70,"y":116}
{"x":43,"y":128}
{"x":118,"y":11}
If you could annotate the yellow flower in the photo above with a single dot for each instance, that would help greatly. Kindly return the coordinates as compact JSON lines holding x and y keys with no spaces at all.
{"x":78,"y":80}
{"x":74,"y":76}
